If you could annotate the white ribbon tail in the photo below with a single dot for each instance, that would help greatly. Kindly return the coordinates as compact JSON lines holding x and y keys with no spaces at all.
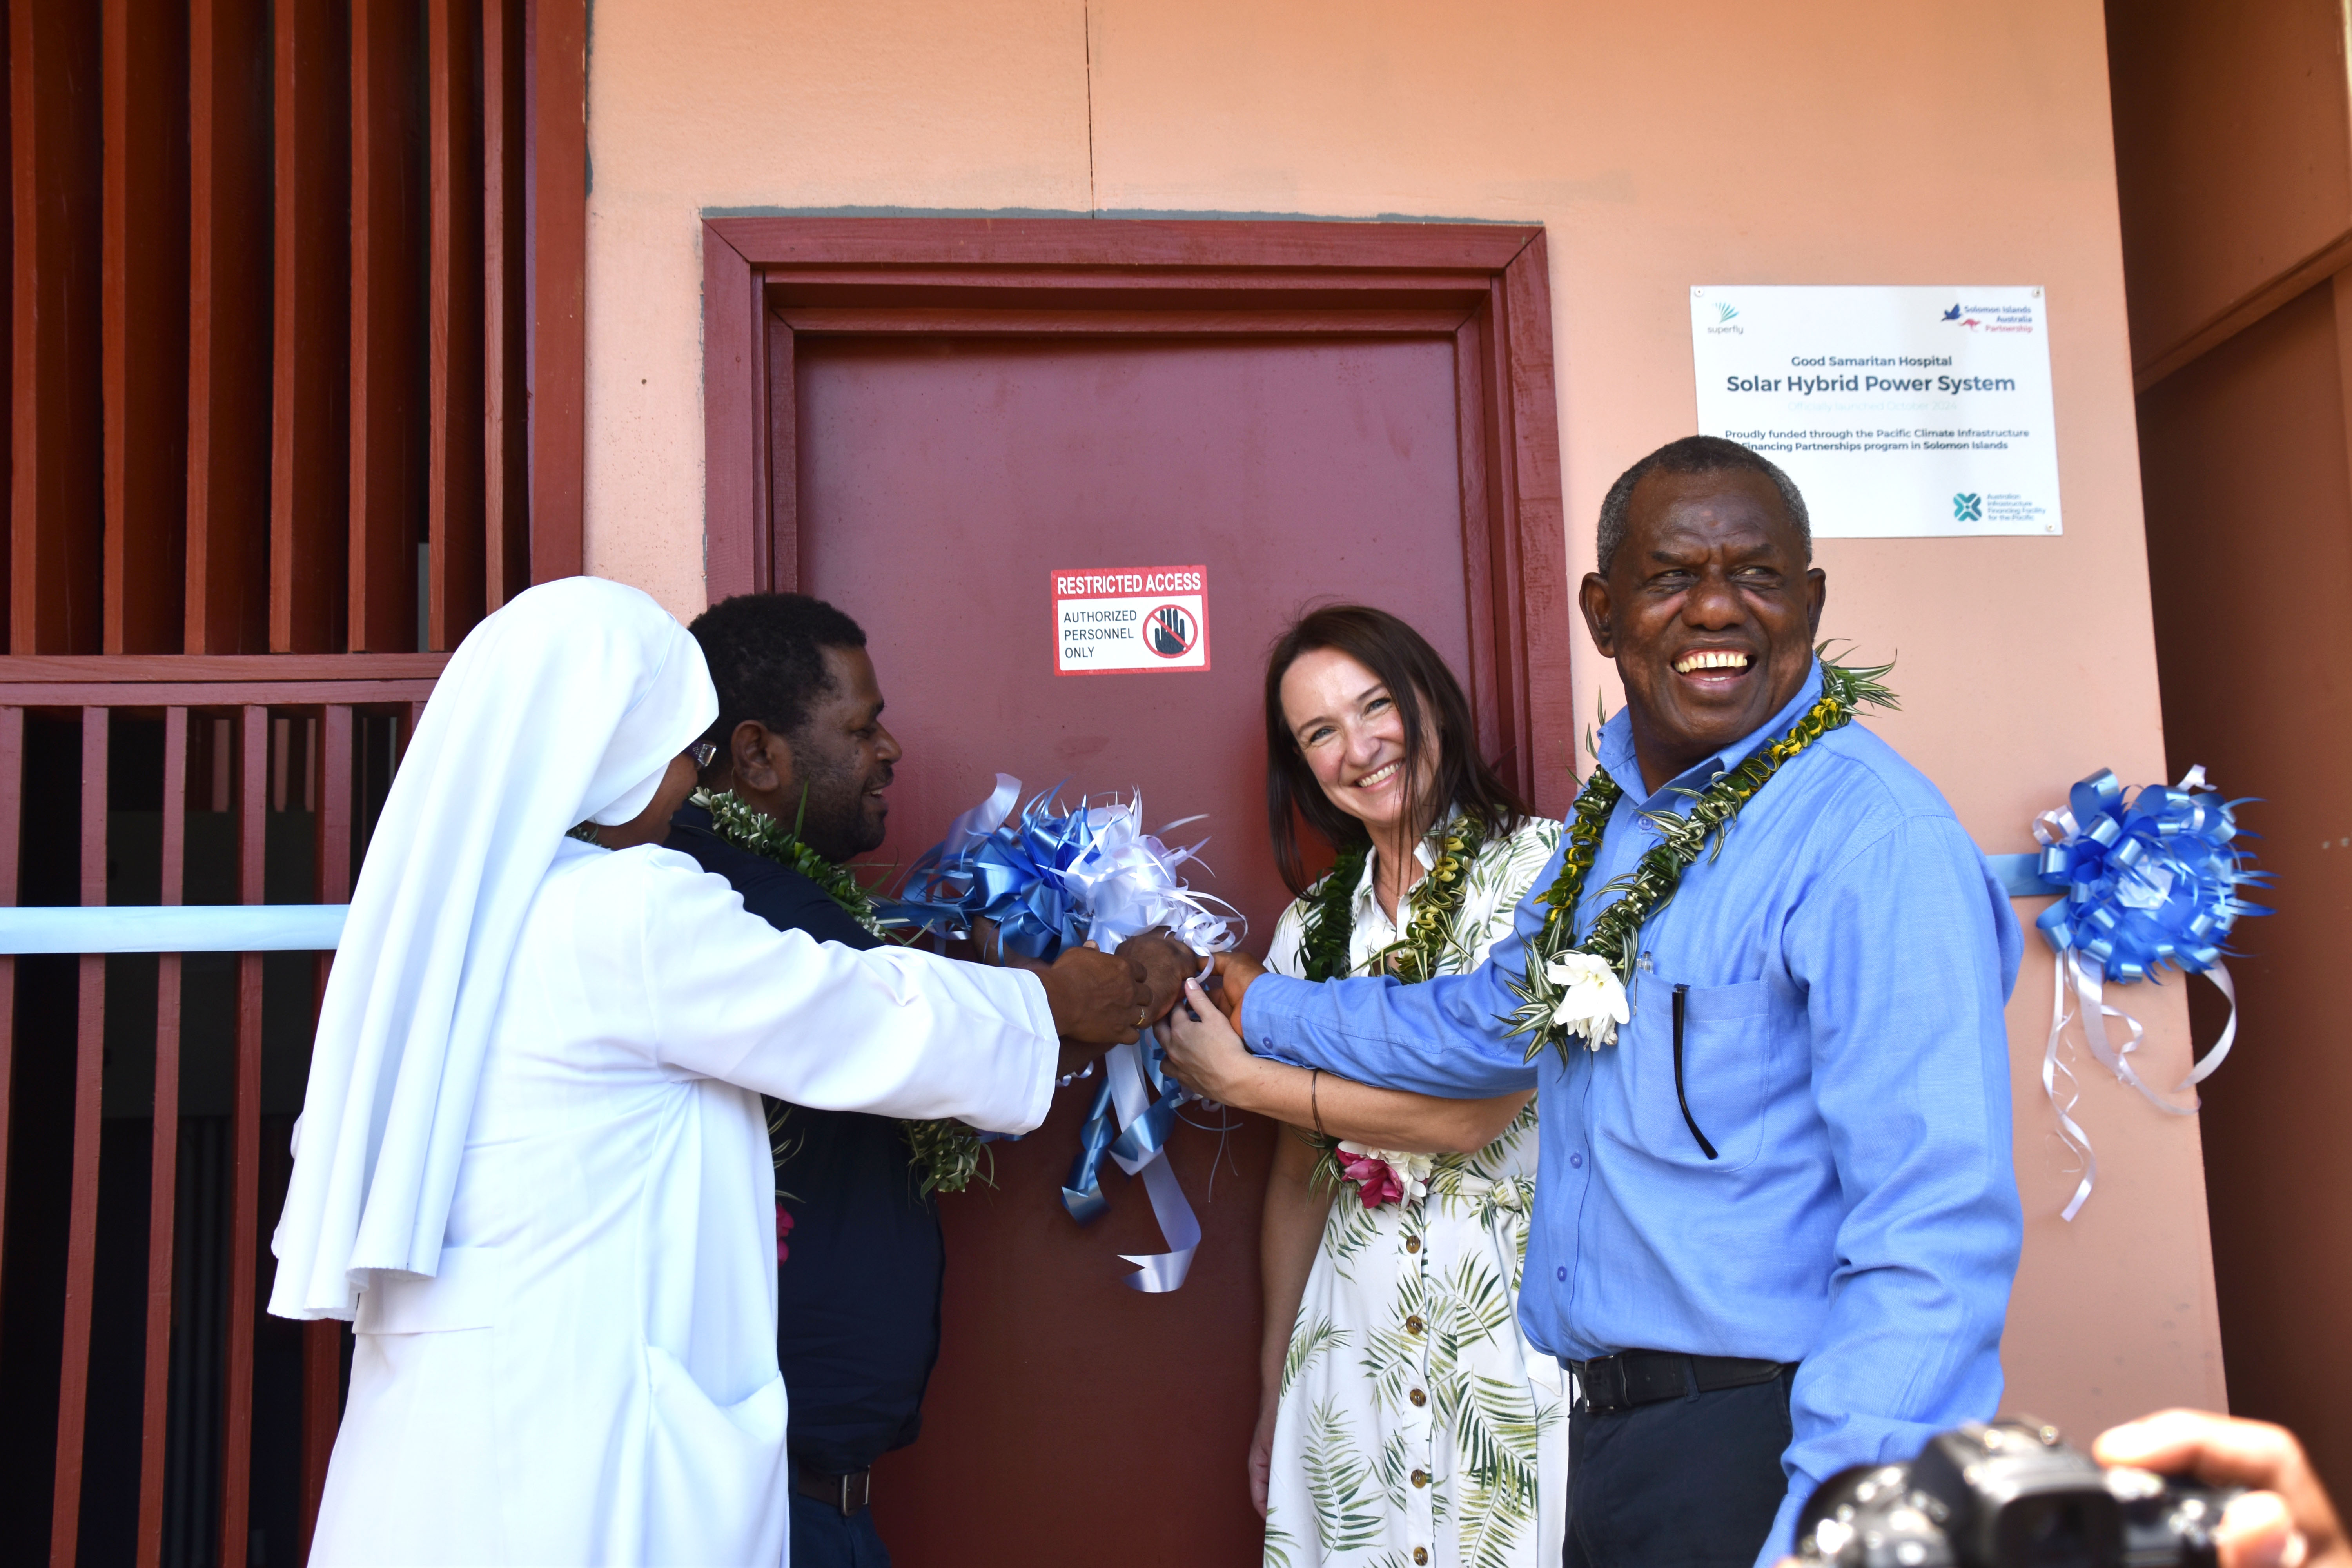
{"x":2219,"y":976}
{"x":1160,"y":1272}
{"x":2089,"y":980}
{"x":2069,"y":1132}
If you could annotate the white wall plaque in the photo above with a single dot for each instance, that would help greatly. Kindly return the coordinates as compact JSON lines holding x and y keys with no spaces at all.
{"x":1901,"y":413}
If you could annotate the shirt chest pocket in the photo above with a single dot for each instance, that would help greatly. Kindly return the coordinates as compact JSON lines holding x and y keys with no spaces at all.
{"x":1699,"y":1070}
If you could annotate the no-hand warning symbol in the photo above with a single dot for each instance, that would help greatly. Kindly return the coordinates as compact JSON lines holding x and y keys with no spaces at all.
{"x":1123,"y":620}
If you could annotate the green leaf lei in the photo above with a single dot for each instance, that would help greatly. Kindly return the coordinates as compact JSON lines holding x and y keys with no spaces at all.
{"x":1330,"y":920}
{"x":1330,"y":923}
{"x":948,"y":1154}
{"x":1646,"y":889}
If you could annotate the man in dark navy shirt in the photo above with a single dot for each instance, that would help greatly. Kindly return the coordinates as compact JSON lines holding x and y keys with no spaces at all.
{"x":857,"y":1311}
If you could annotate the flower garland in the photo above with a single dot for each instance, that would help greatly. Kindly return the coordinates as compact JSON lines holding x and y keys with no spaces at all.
{"x":1577,"y":988}
{"x":948,"y":1154}
{"x":1384,"y":1175}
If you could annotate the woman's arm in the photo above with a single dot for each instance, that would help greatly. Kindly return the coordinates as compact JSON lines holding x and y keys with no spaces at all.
{"x":1208,"y":1058}
{"x":1286,"y":1240}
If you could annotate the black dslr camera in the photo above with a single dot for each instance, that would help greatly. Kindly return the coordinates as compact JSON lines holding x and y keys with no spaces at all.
{"x":2007,"y":1495}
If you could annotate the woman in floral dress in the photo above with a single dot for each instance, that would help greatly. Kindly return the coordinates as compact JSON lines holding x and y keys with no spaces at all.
{"x":1405,"y":1420}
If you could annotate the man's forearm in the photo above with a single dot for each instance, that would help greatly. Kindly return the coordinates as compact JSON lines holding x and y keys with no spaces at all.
{"x":1444,"y":1036}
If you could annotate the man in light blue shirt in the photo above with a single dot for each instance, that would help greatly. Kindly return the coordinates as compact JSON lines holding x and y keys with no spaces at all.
{"x":1776,"y":1221}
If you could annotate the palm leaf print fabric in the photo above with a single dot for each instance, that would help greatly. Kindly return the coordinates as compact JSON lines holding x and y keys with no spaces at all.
{"x":1415,"y":1425}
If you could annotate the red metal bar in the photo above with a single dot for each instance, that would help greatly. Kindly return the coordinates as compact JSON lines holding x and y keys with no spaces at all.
{"x":12,"y":803}
{"x":322,"y":1346}
{"x":387,"y":370}
{"x":145,"y":338}
{"x":273,"y":668}
{"x":506,"y":458}
{"x":559,"y":265}
{"x":57,"y":489}
{"x":81,"y":1236}
{"x":236,"y":1397}
{"x":163,"y":1159}
{"x":311,"y":344}
{"x":130,"y":694}
{"x":230,"y":171}
{"x":454,"y":497}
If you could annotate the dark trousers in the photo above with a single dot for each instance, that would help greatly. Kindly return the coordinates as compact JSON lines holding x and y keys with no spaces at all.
{"x":824,"y":1537}
{"x":1692,"y":1482}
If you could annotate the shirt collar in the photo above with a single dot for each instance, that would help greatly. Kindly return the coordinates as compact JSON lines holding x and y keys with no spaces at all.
{"x":1421,"y":852}
{"x":1616,"y":743}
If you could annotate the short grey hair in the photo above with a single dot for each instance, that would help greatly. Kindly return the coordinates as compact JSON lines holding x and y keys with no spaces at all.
{"x":1696,"y":455}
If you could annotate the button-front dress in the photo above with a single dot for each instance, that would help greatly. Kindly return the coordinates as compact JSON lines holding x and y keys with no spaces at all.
{"x":1416,"y":1424}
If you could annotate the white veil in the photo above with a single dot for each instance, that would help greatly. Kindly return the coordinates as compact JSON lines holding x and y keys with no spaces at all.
{"x":566,"y":705}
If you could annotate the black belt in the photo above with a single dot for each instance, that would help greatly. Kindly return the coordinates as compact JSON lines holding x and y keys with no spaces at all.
{"x":848,"y":1493}
{"x":1606,"y":1384}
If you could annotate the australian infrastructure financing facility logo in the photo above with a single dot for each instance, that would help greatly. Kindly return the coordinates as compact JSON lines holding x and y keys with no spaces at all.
{"x":1968,"y":507}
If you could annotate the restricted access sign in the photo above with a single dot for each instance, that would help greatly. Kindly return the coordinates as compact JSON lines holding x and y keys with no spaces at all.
{"x":1122,"y":620}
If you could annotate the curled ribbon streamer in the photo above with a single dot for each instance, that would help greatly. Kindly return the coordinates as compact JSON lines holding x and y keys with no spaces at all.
{"x":1136,"y":1090}
{"x":1051,"y":882}
{"x":2070,"y":1131}
{"x":2149,"y":881}
{"x":1139,"y":1149}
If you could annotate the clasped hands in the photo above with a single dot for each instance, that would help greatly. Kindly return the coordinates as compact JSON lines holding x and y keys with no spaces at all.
{"x":1100,"y":998}
{"x":1202,"y":1038}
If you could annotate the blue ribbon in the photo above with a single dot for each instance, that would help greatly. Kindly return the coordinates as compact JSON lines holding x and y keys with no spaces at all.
{"x":2149,"y":881}
{"x":1082,"y":1194}
{"x":1015,"y":873}
{"x":1049,"y":879}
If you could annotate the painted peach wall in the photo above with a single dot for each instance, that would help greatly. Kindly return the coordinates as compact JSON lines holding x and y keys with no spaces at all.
{"x":1662,"y":145}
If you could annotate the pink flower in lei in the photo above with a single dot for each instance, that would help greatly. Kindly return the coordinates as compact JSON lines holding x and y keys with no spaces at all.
{"x":1376,"y":1184}
{"x":1383,"y":1175}
{"x":784,"y":1230}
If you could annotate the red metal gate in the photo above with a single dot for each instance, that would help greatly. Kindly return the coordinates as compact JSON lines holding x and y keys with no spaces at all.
{"x":296,"y":343}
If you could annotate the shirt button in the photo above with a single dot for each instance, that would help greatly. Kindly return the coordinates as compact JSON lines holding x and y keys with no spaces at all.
{"x":1421,"y":1478}
{"x":1420,"y":1554}
{"x":1418,"y":1397}
{"x":1412,"y":1244}
{"x":1265,"y":1042}
{"x":1413,"y":1325}
{"x":1560,"y":1273}
{"x":1577,"y":1161}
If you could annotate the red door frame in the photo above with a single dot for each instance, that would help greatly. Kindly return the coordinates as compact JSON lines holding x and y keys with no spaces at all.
{"x":767,"y":281}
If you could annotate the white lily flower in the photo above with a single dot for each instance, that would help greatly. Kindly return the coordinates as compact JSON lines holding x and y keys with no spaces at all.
{"x":1591,"y":998}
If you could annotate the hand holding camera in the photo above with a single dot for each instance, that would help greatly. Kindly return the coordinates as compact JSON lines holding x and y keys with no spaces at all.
{"x":2181,"y":1487}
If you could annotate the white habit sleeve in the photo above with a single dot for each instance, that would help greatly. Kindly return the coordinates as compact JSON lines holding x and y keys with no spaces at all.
{"x":891,"y":1031}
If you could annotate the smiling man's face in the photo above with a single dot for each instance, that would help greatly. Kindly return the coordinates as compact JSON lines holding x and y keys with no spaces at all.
{"x":1709,"y":610}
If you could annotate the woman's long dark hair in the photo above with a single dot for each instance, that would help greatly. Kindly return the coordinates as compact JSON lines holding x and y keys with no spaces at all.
{"x":1404,"y":662}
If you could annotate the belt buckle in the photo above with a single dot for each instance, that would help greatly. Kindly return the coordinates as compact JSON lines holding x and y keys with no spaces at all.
{"x":865,"y":1479}
{"x":1604,"y":1386}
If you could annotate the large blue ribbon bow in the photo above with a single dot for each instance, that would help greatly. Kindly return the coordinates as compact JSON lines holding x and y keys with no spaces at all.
{"x":2150,"y":880}
{"x":1051,"y":880}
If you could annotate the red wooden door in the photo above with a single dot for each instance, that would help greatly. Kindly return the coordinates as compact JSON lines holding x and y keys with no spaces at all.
{"x":939,"y":483}
{"x":923,"y":419}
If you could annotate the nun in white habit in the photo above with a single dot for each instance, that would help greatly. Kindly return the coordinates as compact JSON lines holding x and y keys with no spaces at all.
{"x":531,"y":1166}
